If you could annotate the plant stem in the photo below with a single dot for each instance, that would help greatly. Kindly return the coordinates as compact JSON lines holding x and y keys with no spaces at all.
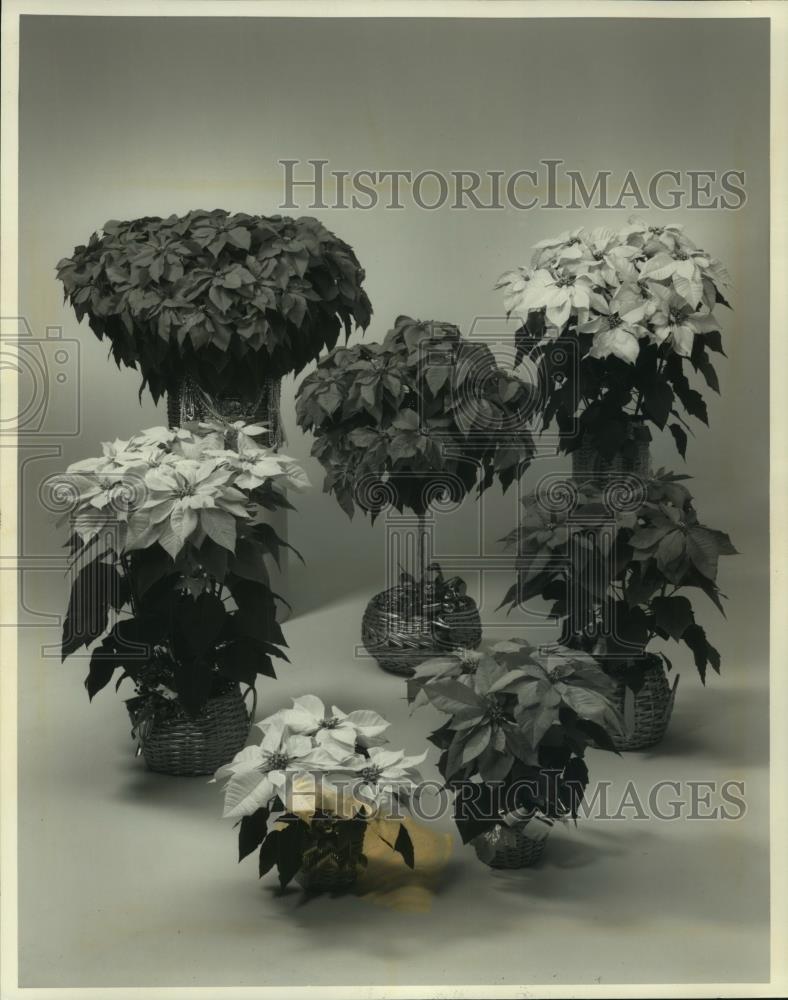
{"x":421,"y":547}
{"x":128,"y":575}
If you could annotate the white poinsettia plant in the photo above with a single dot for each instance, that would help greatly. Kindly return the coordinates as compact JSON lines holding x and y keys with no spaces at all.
{"x":168,"y":526}
{"x":323,"y":774}
{"x":167,"y":486}
{"x":639,"y":283}
{"x":636,"y":307}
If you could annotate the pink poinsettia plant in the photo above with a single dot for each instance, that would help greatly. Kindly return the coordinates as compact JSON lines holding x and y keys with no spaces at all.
{"x":520,"y":718}
{"x":169,"y":541}
{"x":614,"y":320}
{"x":316,"y":785}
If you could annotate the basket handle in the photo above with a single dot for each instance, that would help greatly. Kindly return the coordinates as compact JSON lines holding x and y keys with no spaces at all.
{"x":253,"y":709}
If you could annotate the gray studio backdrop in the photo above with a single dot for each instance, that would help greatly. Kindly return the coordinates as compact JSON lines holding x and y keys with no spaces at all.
{"x":124,"y":117}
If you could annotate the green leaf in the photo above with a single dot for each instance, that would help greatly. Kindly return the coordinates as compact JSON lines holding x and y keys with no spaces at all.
{"x":535,"y":720}
{"x":658,"y":401}
{"x":404,"y":846}
{"x":590,"y":705}
{"x":713,"y":341}
{"x":454,"y":755}
{"x":706,"y":368}
{"x":252,"y":832}
{"x":476,"y":743}
{"x":702,"y":651}
{"x":100,"y":673}
{"x":247,"y":561}
{"x":267,"y":536}
{"x":494,"y":766}
{"x":451,"y":696}
{"x":269,"y":852}
{"x":647,"y":538}
{"x":148,"y":566}
{"x":437,"y":376}
{"x":520,"y":745}
{"x":93,"y":592}
{"x":680,"y":437}
{"x":239,"y":237}
{"x":673,"y":614}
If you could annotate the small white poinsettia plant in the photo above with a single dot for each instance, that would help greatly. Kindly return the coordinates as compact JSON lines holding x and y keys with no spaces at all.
{"x":520,"y":718}
{"x":319,"y":780}
{"x":169,"y":541}
{"x":616,"y":319}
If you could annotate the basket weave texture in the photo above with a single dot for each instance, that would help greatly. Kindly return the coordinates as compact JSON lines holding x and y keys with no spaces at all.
{"x":189,"y":402}
{"x":400,"y":631}
{"x":175,"y":743}
{"x":326,"y":871}
{"x":648,"y":710}
{"x":512,"y":848}
{"x":587,"y":463}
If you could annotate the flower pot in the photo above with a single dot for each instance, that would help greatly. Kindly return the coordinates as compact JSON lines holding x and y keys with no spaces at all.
{"x":189,"y":402}
{"x":508,"y":847}
{"x":647,"y":712}
{"x":173,"y":742}
{"x":331,"y":864}
{"x":401,"y":629}
{"x":634,"y":460}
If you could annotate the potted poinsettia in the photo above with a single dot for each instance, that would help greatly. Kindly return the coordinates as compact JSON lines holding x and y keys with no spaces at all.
{"x":615,"y":322}
{"x":512,"y":749}
{"x":166,"y":529}
{"x":213,"y":308}
{"x":620,"y":580}
{"x":423,"y":416}
{"x":317,"y":785}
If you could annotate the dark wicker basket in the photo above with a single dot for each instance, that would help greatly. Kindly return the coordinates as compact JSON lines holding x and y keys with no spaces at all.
{"x":328,"y":872}
{"x":189,"y":403}
{"x":401,"y":633}
{"x":587,"y":463}
{"x":646,"y":713}
{"x":512,"y":847}
{"x":172,"y":742}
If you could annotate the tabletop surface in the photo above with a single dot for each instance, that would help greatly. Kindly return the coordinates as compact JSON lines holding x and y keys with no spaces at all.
{"x":129,"y":878}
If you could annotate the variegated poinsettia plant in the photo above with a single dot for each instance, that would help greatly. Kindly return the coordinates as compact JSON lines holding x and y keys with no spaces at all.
{"x":319,"y":780}
{"x":520,"y":720}
{"x":168,"y":546}
{"x":621,"y":577}
{"x":615,"y":321}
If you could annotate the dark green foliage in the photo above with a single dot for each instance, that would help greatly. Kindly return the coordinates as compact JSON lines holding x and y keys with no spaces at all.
{"x":187,"y":631}
{"x":424,"y":411}
{"x":658,"y":550}
{"x":227,"y":299}
{"x":607,"y":401}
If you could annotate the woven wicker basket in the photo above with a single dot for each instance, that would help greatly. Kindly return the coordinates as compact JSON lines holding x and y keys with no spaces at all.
{"x":587,"y":463}
{"x":401,"y":635}
{"x":175,"y":743}
{"x":189,"y":402}
{"x":647,"y":713}
{"x":512,"y":848}
{"x":327,"y":872}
